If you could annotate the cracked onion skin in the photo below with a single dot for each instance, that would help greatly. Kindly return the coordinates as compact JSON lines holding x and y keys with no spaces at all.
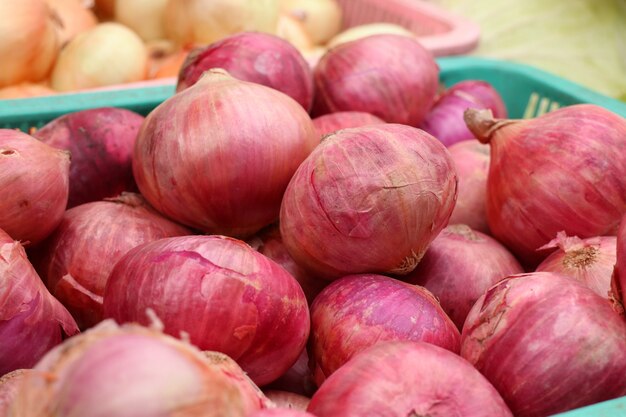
{"x":368,"y":200}
{"x":547,"y":343}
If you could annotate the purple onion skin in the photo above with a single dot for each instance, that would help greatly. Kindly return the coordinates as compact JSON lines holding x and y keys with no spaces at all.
{"x":407,"y":379}
{"x":618,"y":280}
{"x":101,"y":143}
{"x":332,"y":122}
{"x":547,"y":343}
{"x":255,"y":57}
{"x":459,"y":266}
{"x":445,"y":119}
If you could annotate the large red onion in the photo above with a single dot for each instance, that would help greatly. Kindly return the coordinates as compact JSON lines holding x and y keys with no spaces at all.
{"x":101,"y":142}
{"x":219,"y":155}
{"x":76,"y":260}
{"x":256,"y":57}
{"x":31,"y":320}
{"x":563,"y":171}
{"x":459,"y":266}
{"x":590,"y":261}
{"x":225,"y":295}
{"x":407,"y":379}
{"x":618,"y":281}
{"x":471,"y":159}
{"x":34,"y":181}
{"x":445,"y":119}
{"x":368,"y":199}
{"x":289,"y":400}
{"x":9,"y":385}
{"x":130,"y":371}
{"x":548,"y":344}
{"x":358,"y":311}
{"x":332,"y":122}
{"x":390,"y":76}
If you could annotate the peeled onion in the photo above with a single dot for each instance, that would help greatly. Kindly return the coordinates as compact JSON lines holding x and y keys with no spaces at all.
{"x":369,"y":29}
{"x":34,"y":181}
{"x":219,"y":291}
{"x":219,"y":155}
{"x":101,"y":143}
{"x":144,"y":17}
{"x":392,"y":77}
{"x":74,"y":16}
{"x":332,"y":122}
{"x":368,"y":199}
{"x":359,"y":311}
{"x":288,"y":400}
{"x":459,"y":266}
{"x":29,"y":41}
{"x":563,"y":171}
{"x":321,"y":18}
{"x":107,"y":54}
{"x":76,"y":260}
{"x":547,"y":343}
{"x":407,"y":379}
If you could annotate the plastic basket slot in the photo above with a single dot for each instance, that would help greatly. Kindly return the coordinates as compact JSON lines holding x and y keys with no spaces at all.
{"x":538,"y":106}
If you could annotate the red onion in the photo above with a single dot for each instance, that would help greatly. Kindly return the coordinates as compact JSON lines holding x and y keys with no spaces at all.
{"x":445,"y":119}
{"x":225,"y":295}
{"x":547,"y":343}
{"x":368,"y":199}
{"x":390,"y":76}
{"x":459,"y":266}
{"x":76,"y":260}
{"x":34,"y":180}
{"x":256,"y":57}
{"x":618,"y":281}
{"x":589,"y":261}
{"x":101,"y":142}
{"x":289,"y":400}
{"x":407,"y":379}
{"x":358,"y":311}
{"x":332,"y":122}
{"x":298,"y":379}
{"x":130,"y":371}
{"x":563,"y":171}
{"x":281,"y":412}
{"x":9,"y":385}
{"x":219,"y":155}
{"x":31,"y":320}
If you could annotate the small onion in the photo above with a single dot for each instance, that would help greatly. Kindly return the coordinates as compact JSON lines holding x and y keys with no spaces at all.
{"x":289,"y":400}
{"x":589,"y":261}
{"x":130,"y":371}
{"x":547,"y":343}
{"x":563,"y":171}
{"x":75,"y":17}
{"x":9,"y":385}
{"x":471,"y":159}
{"x":407,"y":379}
{"x":76,"y":260}
{"x":107,"y":54}
{"x":34,"y":183}
{"x":459,"y":266}
{"x":368,"y":199}
{"x":101,"y":143}
{"x":219,"y":155}
{"x":390,"y":76}
{"x":445,"y":119}
{"x":145,"y":17}
{"x":618,"y":282}
{"x":359,"y":311}
{"x":31,"y":320}
{"x":332,"y":122}
{"x":320,"y":18}
{"x":255,"y":57}
{"x":225,"y":295}
{"x":369,"y":29}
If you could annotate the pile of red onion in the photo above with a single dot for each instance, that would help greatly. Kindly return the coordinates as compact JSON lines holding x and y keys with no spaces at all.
{"x":332,"y":122}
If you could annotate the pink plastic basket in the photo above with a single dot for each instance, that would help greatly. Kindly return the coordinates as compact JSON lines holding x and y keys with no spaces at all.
{"x":438,"y":30}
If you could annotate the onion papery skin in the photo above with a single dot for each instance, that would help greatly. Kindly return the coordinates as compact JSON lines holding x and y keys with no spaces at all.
{"x":225,"y":295}
{"x":255,"y":57}
{"x":9,"y":385}
{"x":368,"y":199}
{"x":459,"y":266}
{"x":76,"y":260}
{"x":34,"y":186}
{"x":130,"y":371}
{"x":445,"y":120}
{"x":390,"y":76}
{"x":332,"y":122}
{"x":75,"y":17}
{"x":471,"y":159}
{"x":590,"y":261}
{"x":563,"y":171}
{"x":407,"y":379}
{"x":101,"y":142}
{"x":359,"y":311}
{"x":31,"y":320}
{"x":281,"y":412}
{"x":288,"y":400}
{"x":618,"y":281}
{"x":547,"y":343}
{"x":218,"y":156}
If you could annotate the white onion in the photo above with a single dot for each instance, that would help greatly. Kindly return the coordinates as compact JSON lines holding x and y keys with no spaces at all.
{"x":320,"y":18}
{"x":145,"y":17}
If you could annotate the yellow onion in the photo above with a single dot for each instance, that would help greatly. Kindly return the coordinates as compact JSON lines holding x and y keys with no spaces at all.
{"x":321,"y":18}
{"x":24,"y":90}
{"x":74,"y":17}
{"x":145,"y":17}
{"x":29,"y":42}
{"x":362,"y":31}
{"x":293,"y":31}
{"x":107,"y":54}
